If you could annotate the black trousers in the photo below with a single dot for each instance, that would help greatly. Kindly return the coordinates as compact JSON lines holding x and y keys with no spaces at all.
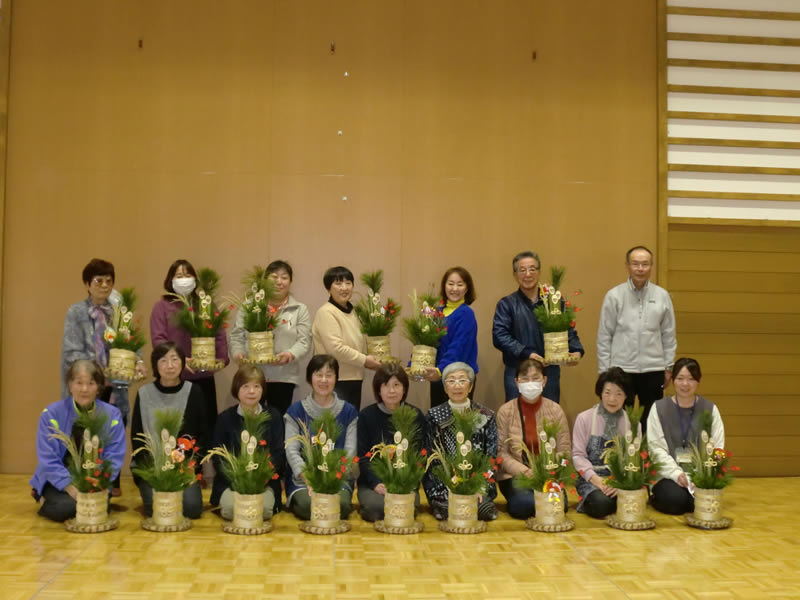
{"x":598,"y":506}
{"x":671,"y":499}
{"x":278,"y":395}
{"x":209,"y":388}
{"x":350,"y":391}
{"x":649,"y":387}
{"x":57,"y":506}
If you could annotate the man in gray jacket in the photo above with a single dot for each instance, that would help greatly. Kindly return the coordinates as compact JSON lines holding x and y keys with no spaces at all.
{"x":637,"y":331}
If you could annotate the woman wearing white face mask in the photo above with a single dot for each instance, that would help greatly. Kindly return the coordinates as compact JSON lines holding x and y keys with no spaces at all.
{"x":182,"y":279}
{"x":518,"y":422}
{"x":593,"y":429}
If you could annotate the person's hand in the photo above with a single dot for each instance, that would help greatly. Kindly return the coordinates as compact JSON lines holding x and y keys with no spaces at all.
{"x":683,"y":481}
{"x":72,"y":491}
{"x":188,"y":368}
{"x":380,"y":489}
{"x":432,"y":374}
{"x":576,"y":357}
{"x":284,"y":357}
{"x":140,"y":369}
{"x":535,"y":356}
{"x":667,"y":378}
{"x":528,"y":473}
{"x":371,"y":363}
{"x":238,"y":358}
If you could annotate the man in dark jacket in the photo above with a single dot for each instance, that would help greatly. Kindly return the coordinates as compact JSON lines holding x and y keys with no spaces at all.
{"x":516,"y":330}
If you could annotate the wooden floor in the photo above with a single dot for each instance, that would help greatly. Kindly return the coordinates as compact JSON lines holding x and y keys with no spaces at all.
{"x":758,"y":558}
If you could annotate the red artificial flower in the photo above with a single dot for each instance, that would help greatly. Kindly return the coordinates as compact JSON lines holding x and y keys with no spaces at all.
{"x":191,"y":309}
{"x":99,"y":450}
{"x":344,"y":469}
{"x":98,"y":461}
{"x":391,"y":311}
{"x":572,"y":324}
{"x":274,"y":475}
{"x":438,"y":330}
{"x":499,"y":459}
{"x":338,"y":475}
{"x":736,"y":468}
{"x":185,"y":443}
{"x":473,"y":475}
{"x":581,"y":472}
{"x":577,"y":309}
{"x":271,"y":466}
{"x":230,"y":307}
{"x":283,"y":321}
{"x":107,"y":475}
{"x":580,"y":498}
{"x":423,"y":452}
{"x":344,"y":459}
{"x":224,"y":325}
{"x":97,"y":473}
{"x":196,"y":449}
{"x":491,"y":460}
{"x":199,"y":477}
{"x":572,"y":491}
{"x":552,"y":472}
{"x":355,"y":459}
{"x":192,"y":464}
{"x":486,"y":475}
{"x":643,"y":454}
{"x":724,"y":469}
{"x":568,"y":304}
{"x":216,"y":313}
{"x":368,"y":454}
{"x":647,"y":465}
{"x":262,"y":442}
{"x":573,"y":475}
{"x":719,"y":475}
{"x":653,"y":473}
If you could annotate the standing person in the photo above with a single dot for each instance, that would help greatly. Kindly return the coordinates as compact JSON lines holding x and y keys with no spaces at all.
{"x":337,"y":332}
{"x":460,"y":344}
{"x":182,"y":279}
{"x":292,"y":338}
{"x":637,"y":331}
{"x":516,"y":332}
{"x":84,"y":326}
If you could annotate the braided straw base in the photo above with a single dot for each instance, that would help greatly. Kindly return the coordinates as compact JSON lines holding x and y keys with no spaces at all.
{"x":565,"y":525}
{"x":481,"y":527}
{"x":722,"y":523}
{"x":231,"y":528}
{"x":612,"y":521}
{"x":150,"y":525}
{"x":417,"y":527}
{"x":74,"y":527}
{"x":204,"y":364}
{"x":117,"y":375}
{"x":309,"y":527}
{"x":254,"y":361}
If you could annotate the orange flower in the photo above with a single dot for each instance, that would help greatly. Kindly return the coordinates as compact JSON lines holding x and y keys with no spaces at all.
{"x":262,"y":442}
{"x":499,"y":459}
{"x":97,"y":473}
{"x":344,"y":459}
{"x":98,"y":461}
{"x":344,"y":469}
{"x":368,"y":454}
{"x":274,"y":475}
{"x":423,"y":452}
{"x":99,"y":450}
{"x":355,"y":459}
{"x":338,"y":475}
{"x":199,"y":477}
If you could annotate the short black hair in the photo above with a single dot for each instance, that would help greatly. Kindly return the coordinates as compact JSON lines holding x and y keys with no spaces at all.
{"x":527,"y":363}
{"x":173,"y":268}
{"x":335,"y":274}
{"x":526,"y":254}
{"x":634,"y":249}
{"x":95,"y":267}
{"x":318,"y":361}
{"x":279,"y":265}
{"x":384,"y":374}
{"x":616,"y":376}
{"x":245,"y":374}
{"x":691,"y":365}
{"x":469,"y":297}
{"x":161,"y":351}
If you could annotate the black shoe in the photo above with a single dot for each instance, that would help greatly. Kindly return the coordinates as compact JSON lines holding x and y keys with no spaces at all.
{"x":487,"y":511}
{"x":439,"y":513}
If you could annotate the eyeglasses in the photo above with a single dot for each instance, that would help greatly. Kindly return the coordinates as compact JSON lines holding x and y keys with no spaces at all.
{"x":528,"y":271}
{"x":100,"y":281}
{"x":528,"y":379}
{"x":458,"y":382}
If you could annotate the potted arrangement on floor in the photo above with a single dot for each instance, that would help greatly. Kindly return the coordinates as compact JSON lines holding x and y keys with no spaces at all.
{"x":167,"y":463}
{"x":632,"y":470}
{"x":377,"y":320}
{"x":555,"y":316}
{"x":400,"y":465}
{"x":202,"y":318}
{"x":249,"y":471}
{"x":466,"y":473}
{"x":709,"y":473}
{"x":124,"y":337}
{"x":90,"y":473}
{"x":550,"y":472}
{"x":260,"y":318}
{"x":326,"y":469}
{"x":424,"y":329}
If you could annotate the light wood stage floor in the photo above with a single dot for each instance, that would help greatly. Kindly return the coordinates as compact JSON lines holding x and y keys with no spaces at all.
{"x":759,"y":557}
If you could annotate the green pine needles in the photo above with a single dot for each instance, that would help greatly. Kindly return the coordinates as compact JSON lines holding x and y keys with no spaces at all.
{"x":326,"y":467}
{"x":166,"y":461}
{"x":555,"y":313}
{"x":259,"y":315}
{"x":627,"y":458}
{"x":709,"y":469}
{"x":376,"y":318}
{"x":468,"y":471}
{"x":88,"y":469}
{"x":123,"y":332}
{"x":400,"y":464}
{"x":426,"y":326}
{"x":250,"y":469}
{"x":200,"y":315}
{"x":549,"y":468}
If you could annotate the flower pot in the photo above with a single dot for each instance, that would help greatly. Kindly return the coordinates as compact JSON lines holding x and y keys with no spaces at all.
{"x":248,"y":510}
{"x":380,"y":347}
{"x":462,"y":511}
{"x":398,"y":510}
{"x":631,"y":511}
{"x":422,"y":359}
{"x":549,"y":508}
{"x":167,"y":508}
{"x":708,"y":510}
{"x":204,"y":354}
{"x":556,"y":347}
{"x":91,"y":509}
{"x":122,"y":363}
{"x":261,"y":346}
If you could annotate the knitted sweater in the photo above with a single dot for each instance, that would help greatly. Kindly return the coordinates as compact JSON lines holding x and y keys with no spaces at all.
{"x":338,"y":333}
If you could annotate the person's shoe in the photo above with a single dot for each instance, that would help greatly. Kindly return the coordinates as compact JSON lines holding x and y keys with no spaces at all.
{"x":439,"y":513}
{"x":116,"y":492}
{"x":487,"y":511}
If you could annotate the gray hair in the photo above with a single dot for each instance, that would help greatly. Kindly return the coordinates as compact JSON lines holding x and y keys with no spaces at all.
{"x":91,"y":368}
{"x":459,"y":366}
{"x":526,"y":254}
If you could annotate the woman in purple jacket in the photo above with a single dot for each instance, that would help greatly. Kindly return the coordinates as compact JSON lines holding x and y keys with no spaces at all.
{"x":51,"y":484}
{"x":460,"y":344}
{"x":182,"y":279}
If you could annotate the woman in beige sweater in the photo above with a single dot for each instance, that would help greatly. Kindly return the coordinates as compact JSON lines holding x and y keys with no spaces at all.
{"x":518,"y":422}
{"x":336,"y":331}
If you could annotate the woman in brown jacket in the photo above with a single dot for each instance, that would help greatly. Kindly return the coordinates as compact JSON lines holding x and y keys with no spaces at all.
{"x":518,"y":422}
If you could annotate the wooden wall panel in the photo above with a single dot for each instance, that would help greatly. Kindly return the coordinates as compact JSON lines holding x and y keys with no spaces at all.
{"x":745,"y":334}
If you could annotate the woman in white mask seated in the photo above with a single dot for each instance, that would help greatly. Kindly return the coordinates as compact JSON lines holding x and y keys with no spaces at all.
{"x":182,"y":279}
{"x":518,"y":422}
